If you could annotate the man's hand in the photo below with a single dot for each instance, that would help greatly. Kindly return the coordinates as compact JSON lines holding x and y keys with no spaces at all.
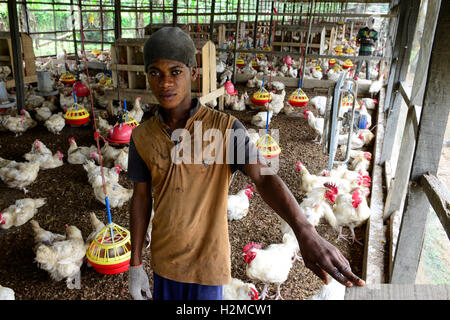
{"x":321,"y":257}
{"x":138,"y":282}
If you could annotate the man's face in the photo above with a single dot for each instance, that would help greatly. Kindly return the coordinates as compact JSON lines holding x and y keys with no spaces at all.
{"x":171,"y":82}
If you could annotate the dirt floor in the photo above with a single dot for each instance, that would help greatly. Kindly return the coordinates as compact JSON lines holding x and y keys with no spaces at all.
{"x":70,"y":199}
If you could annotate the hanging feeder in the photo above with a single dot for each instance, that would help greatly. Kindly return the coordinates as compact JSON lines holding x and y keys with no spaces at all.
{"x":240,"y":62}
{"x":80,"y":89}
{"x":76,"y":115}
{"x":298,"y":98}
{"x":105,"y":81}
{"x":67,"y":79}
{"x":110,"y":251}
{"x":338,"y":49}
{"x":350,"y":51}
{"x":287,"y":60}
{"x":97,"y":52}
{"x":331,"y":62}
{"x":268,"y":147}
{"x":348,"y":64}
{"x":255,"y":65}
{"x":229,"y":88}
{"x":121,"y":132}
{"x":261,"y":97}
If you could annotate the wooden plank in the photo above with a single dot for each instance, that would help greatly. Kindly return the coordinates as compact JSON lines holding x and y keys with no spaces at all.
{"x":212,"y":95}
{"x":439,"y":198}
{"x":397,"y":193}
{"x":212,"y":66}
{"x":296,"y":44}
{"x":308,"y":83}
{"x":131,"y":61}
{"x":398,"y":292}
{"x":27,"y":79}
{"x":205,"y":65}
{"x":374,"y":249}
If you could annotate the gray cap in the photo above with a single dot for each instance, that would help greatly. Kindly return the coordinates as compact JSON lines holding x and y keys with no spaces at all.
{"x":170,"y":43}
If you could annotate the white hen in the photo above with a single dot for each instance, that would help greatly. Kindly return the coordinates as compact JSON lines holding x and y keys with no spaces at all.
{"x":319,"y":103}
{"x":269,"y":265}
{"x":350,"y":210}
{"x":239,"y":203}
{"x":55,"y":123}
{"x":239,"y":290}
{"x":20,"y":212}
{"x":18,"y":174}
{"x":63,"y":259}
{"x":6,"y":293}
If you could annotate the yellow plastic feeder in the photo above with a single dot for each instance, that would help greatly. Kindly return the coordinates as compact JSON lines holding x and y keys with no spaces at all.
{"x":331,"y":62}
{"x":338,"y":49}
{"x":76,"y":115}
{"x":255,"y":65}
{"x":110,"y":251}
{"x":268,"y":147}
{"x":261,"y":97}
{"x":129,"y":120}
{"x":97,"y":52}
{"x":105,"y":81}
{"x":350,"y":51}
{"x":240,"y":62}
{"x":298,"y":98}
{"x":348,"y":64}
{"x":67,"y":79}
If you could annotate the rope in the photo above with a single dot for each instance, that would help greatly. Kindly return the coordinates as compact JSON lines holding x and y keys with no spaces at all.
{"x":96,"y":134}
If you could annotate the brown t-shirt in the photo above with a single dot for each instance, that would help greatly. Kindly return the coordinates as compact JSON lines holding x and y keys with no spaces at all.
{"x":190,"y":228}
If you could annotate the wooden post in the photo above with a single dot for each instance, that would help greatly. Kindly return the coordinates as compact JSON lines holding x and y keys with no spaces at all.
{"x":117,"y":20}
{"x":256,"y":24}
{"x":17,"y":54}
{"x":211,"y":22}
{"x":235,"y":39}
{"x":174,"y":18}
{"x":271,"y":23}
{"x":431,"y":131}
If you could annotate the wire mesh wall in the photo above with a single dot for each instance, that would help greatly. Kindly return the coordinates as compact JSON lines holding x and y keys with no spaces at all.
{"x":54,"y":25}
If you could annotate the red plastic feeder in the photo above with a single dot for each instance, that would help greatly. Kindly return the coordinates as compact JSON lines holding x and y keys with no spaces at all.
{"x":229,"y":88}
{"x":287,"y":60}
{"x":120,"y":134}
{"x":80,"y":89}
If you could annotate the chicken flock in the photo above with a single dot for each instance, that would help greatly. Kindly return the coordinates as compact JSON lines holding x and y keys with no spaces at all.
{"x":338,"y":197}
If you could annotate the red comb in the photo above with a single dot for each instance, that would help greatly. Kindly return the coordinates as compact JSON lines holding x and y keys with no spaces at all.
{"x":331,"y":186}
{"x":249,"y":246}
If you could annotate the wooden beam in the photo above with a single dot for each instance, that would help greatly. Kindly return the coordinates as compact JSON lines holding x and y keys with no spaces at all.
{"x":439,"y":198}
{"x":374,"y":248}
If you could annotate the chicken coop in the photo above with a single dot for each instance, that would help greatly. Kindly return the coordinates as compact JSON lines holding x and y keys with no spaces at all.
{"x":352,"y":95}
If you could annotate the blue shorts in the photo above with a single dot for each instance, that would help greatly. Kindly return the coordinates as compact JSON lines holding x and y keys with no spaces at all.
{"x":165,"y":289}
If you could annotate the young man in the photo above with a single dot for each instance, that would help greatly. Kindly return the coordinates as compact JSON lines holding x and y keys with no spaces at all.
{"x":367,"y":38}
{"x":190,"y":251}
